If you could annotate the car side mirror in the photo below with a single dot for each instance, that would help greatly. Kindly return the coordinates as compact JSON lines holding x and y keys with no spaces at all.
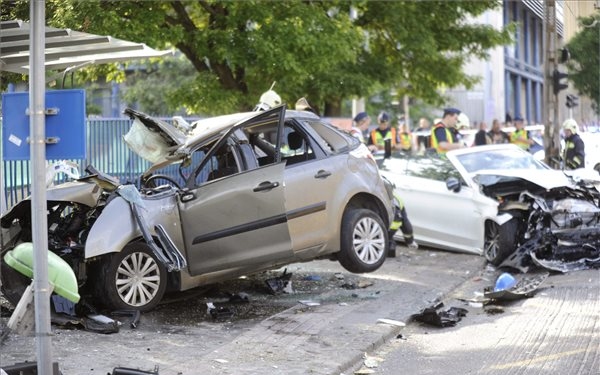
{"x":453,"y":184}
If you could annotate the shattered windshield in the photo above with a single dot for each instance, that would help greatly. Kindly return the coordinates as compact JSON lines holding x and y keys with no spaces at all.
{"x":499,"y":159}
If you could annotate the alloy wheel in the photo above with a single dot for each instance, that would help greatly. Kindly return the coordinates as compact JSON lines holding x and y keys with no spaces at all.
{"x":369,"y":240}
{"x":138,"y":279}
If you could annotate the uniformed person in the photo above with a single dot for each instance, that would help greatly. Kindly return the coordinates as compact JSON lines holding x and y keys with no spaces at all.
{"x":574,"y":152}
{"x":444,"y":135}
{"x":383,"y":132}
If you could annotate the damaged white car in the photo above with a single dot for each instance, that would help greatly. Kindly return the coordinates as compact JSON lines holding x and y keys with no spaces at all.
{"x":500,"y":202}
{"x":250,"y":192}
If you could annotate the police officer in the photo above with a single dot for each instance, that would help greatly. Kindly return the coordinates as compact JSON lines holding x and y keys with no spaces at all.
{"x":444,"y":135}
{"x":574,"y":152}
{"x":383,"y":132}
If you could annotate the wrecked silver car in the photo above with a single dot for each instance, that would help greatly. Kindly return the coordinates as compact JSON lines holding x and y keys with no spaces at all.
{"x":498,"y":201}
{"x":251,"y":191}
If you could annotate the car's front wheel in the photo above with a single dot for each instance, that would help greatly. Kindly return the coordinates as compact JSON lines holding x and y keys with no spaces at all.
{"x":500,"y":240}
{"x":133,"y":279}
{"x":364,"y":241}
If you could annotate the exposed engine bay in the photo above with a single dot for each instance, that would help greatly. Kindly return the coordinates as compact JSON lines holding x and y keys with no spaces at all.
{"x":559,"y":227}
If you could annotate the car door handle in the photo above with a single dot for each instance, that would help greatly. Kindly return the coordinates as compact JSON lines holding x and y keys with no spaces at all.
{"x":266,"y":185}
{"x":322,"y":174}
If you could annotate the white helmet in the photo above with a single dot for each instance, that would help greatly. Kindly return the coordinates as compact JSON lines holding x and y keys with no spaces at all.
{"x":463,"y":121}
{"x":571,"y":125}
{"x":270,"y":98}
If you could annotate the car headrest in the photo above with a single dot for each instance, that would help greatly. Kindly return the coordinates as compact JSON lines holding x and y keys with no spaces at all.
{"x":294,"y":140}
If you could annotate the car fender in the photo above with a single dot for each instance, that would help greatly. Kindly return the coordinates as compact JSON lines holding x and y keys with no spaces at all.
{"x":117,"y":226}
{"x":113,"y":229}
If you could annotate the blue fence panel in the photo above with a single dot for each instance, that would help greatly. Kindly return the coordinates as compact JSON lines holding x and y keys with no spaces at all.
{"x":106,"y":151}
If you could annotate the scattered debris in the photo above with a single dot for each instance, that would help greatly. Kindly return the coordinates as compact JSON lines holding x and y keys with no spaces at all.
{"x":134,"y":314}
{"x":493,"y":309}
{"x":478,"y":305}
{"x":391,"y":322}
{"x":360,"y":285}
{"x":312,"y":278}
{"x":401,"y":337}
{"x":219,"y":360}
{"x":309,"y":303}
{"x":505,"y":281}
{"x":240,"y":297}
{"x":523,"y":288}
{"x":218,"y":312}
{"x":280,"y":284}
{"x":133,"y":371}
{"x":446,"y":318}
{"x":100,"y":324}
{"x":26,"y":368}
{"x":339,"y":276}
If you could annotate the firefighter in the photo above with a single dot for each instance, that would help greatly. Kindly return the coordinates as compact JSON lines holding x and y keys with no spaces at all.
{"x":574,"y":152}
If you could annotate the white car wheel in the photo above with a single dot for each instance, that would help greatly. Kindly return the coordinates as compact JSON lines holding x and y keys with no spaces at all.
{"x":134,"y":279}
{"x":364,"y":241}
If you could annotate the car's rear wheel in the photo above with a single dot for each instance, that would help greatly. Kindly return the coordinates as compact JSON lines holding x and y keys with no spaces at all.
{"x":364,"y":241}
{"x":132,"y":279}
{"x":500,"y":240}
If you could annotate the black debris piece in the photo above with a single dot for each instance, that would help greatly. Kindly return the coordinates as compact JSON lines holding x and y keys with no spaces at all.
{"x":218,"y":312}
{"x":132,"y":371}
{"x":27,"y":368}
{"x":100,"y":324}
{"x":279,"y":284}
{"x":442,"y":318}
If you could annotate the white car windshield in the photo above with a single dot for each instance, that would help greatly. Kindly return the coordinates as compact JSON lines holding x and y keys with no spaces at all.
{"x":499,"y":159}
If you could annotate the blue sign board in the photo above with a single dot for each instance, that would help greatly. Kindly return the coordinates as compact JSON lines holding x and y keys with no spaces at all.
{"x":65,"y":125}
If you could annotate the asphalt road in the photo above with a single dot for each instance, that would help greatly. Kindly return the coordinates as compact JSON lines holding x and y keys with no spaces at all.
{"x":557,"y":331}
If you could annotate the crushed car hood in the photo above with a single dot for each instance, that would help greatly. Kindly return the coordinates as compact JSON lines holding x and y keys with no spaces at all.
{"x":159,"y":141}
{"x":547,"y":179}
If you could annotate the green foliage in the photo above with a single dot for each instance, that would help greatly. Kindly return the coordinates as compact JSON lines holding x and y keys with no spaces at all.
{"x":584,"y":64}
{"x":310,"y":48}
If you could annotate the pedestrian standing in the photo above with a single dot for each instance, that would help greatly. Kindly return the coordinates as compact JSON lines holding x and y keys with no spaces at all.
{"x":520,"y":136}
{"x":496,"y":134}
{"x":444,"y":135}
{"x":383,"y":132}
{"x":482,"y":137}
{"x":424,"y":134}
{"x":574,"y":152}
{"x":360,"y":125}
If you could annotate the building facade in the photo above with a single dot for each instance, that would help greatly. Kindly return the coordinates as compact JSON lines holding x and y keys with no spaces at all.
{"x":512,"y":78}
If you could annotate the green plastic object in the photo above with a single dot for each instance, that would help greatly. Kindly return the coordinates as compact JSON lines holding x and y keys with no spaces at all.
{"x":60,"y":274}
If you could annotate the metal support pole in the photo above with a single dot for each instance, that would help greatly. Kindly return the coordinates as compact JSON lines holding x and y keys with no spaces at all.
{"x":37,"y":125}
{"x":551,"y":129}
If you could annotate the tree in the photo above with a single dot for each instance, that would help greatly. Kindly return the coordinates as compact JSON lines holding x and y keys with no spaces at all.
{"x":585,"y":59}
{"x":325,"y":50}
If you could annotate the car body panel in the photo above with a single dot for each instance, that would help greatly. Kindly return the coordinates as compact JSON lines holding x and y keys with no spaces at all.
{"x":228,"y":213}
